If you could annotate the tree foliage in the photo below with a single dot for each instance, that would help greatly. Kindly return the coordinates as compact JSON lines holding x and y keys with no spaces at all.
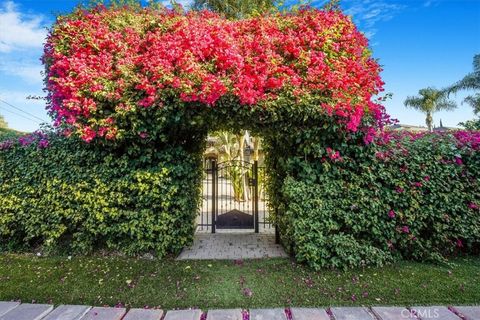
{"x":3,"y":123}
{"x":473,"y":124}
{"x":235,"y":9}
{"x":470,"y":82}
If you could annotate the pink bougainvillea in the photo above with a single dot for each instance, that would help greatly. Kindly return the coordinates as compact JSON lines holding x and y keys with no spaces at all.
{"x":37,"y":138}
{"x":391,"y":214}
{"x":473,"y":206}
{"x":405,"y":229}
{"x":333,"y":155}
{"x":462,"y":138}
{"x":107,"y":64}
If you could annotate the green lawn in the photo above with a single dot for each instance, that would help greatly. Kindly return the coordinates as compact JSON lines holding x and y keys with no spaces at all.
{"x":226,"y":284}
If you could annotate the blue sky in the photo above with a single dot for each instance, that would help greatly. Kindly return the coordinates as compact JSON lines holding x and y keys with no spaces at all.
{"x":420,"y":43}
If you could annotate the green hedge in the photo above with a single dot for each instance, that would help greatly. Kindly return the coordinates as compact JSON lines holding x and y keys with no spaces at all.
{"x":6,"y":134}
{"x":412,"y":198}
{"x":65,"y":195}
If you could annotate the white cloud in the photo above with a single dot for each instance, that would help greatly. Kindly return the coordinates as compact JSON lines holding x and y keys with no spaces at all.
{"x":370,"y":33}
{"x":30,"y":72}
{"x":429,"y":3}
{"x":368,"y":13}
{"x":19,"y":31}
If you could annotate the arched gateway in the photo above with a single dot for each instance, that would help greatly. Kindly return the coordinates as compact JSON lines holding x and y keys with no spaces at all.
{"x":144,"y":80}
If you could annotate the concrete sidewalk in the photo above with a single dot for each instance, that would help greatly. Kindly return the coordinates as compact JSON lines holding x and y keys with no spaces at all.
{"x":18,"y":311}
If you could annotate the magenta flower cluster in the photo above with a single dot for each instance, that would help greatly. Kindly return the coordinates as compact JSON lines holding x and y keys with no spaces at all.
{"x":39,"y":138}
{"x":462,"y":138}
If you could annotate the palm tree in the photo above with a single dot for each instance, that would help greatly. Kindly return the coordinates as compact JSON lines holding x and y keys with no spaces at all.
{"x":230,"y":147}
{"x":429,"y":101}
{"x":235,"y":9}
{"x":470,"y":82}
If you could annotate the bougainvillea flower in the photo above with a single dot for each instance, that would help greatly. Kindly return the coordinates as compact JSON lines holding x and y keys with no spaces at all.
{"x":391,"y":214}
{"x":101,"y":71}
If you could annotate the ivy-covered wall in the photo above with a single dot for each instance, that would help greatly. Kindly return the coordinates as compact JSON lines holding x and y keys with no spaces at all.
{"x":407,"y":196}
{"x":142,"y":87}
{"x":61,"y":195}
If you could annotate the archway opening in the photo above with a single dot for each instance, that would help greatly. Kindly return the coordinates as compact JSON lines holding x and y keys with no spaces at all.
{"x":234,"y":195}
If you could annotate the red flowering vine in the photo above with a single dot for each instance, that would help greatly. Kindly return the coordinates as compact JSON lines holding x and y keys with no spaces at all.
{"x":102,"y":70}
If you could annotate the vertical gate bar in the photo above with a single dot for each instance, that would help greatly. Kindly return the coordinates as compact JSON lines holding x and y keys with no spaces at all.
{"x":214,"y":193}
{"x":209,"y":177}
{"x":277,"y":233}
{"x":203,"y":197}
{"x":255,"y":196}
{"x":207,"y":192}
{"x":205,"y":189}
{"x":262,"y":193}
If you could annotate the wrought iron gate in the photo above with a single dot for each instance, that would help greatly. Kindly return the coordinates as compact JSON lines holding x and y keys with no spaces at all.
{"x":233,"y":197}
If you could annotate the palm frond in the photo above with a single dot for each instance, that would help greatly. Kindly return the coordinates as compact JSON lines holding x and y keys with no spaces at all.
{"x":469,"y":82}
{"x":415,"y":103}
{"x":445,"y":104}
{"x":474,"y":102}
{"x":476,"y":63}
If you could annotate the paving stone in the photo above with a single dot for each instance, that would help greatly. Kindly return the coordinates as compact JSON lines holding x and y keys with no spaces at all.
{"x":309,"y":314}
{"x":144,"y":314}
{"x":267,"y":314}
{"x":434,"y":312}
{"x":225,"y":314}
{"x":7,"y":306}
{"x":183,"y":315}
{"x":470,"y":313}
{"x":67,"y":312}
{"x":351,"y":313}
{"x":28,"y":311}
{"x":392,"y":313}
{"x":99,"y":313}
{"x":232,"y":246}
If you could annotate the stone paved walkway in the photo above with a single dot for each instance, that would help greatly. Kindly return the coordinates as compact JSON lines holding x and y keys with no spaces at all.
{"x":232,"y":246}
{"x":17,"y":311}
